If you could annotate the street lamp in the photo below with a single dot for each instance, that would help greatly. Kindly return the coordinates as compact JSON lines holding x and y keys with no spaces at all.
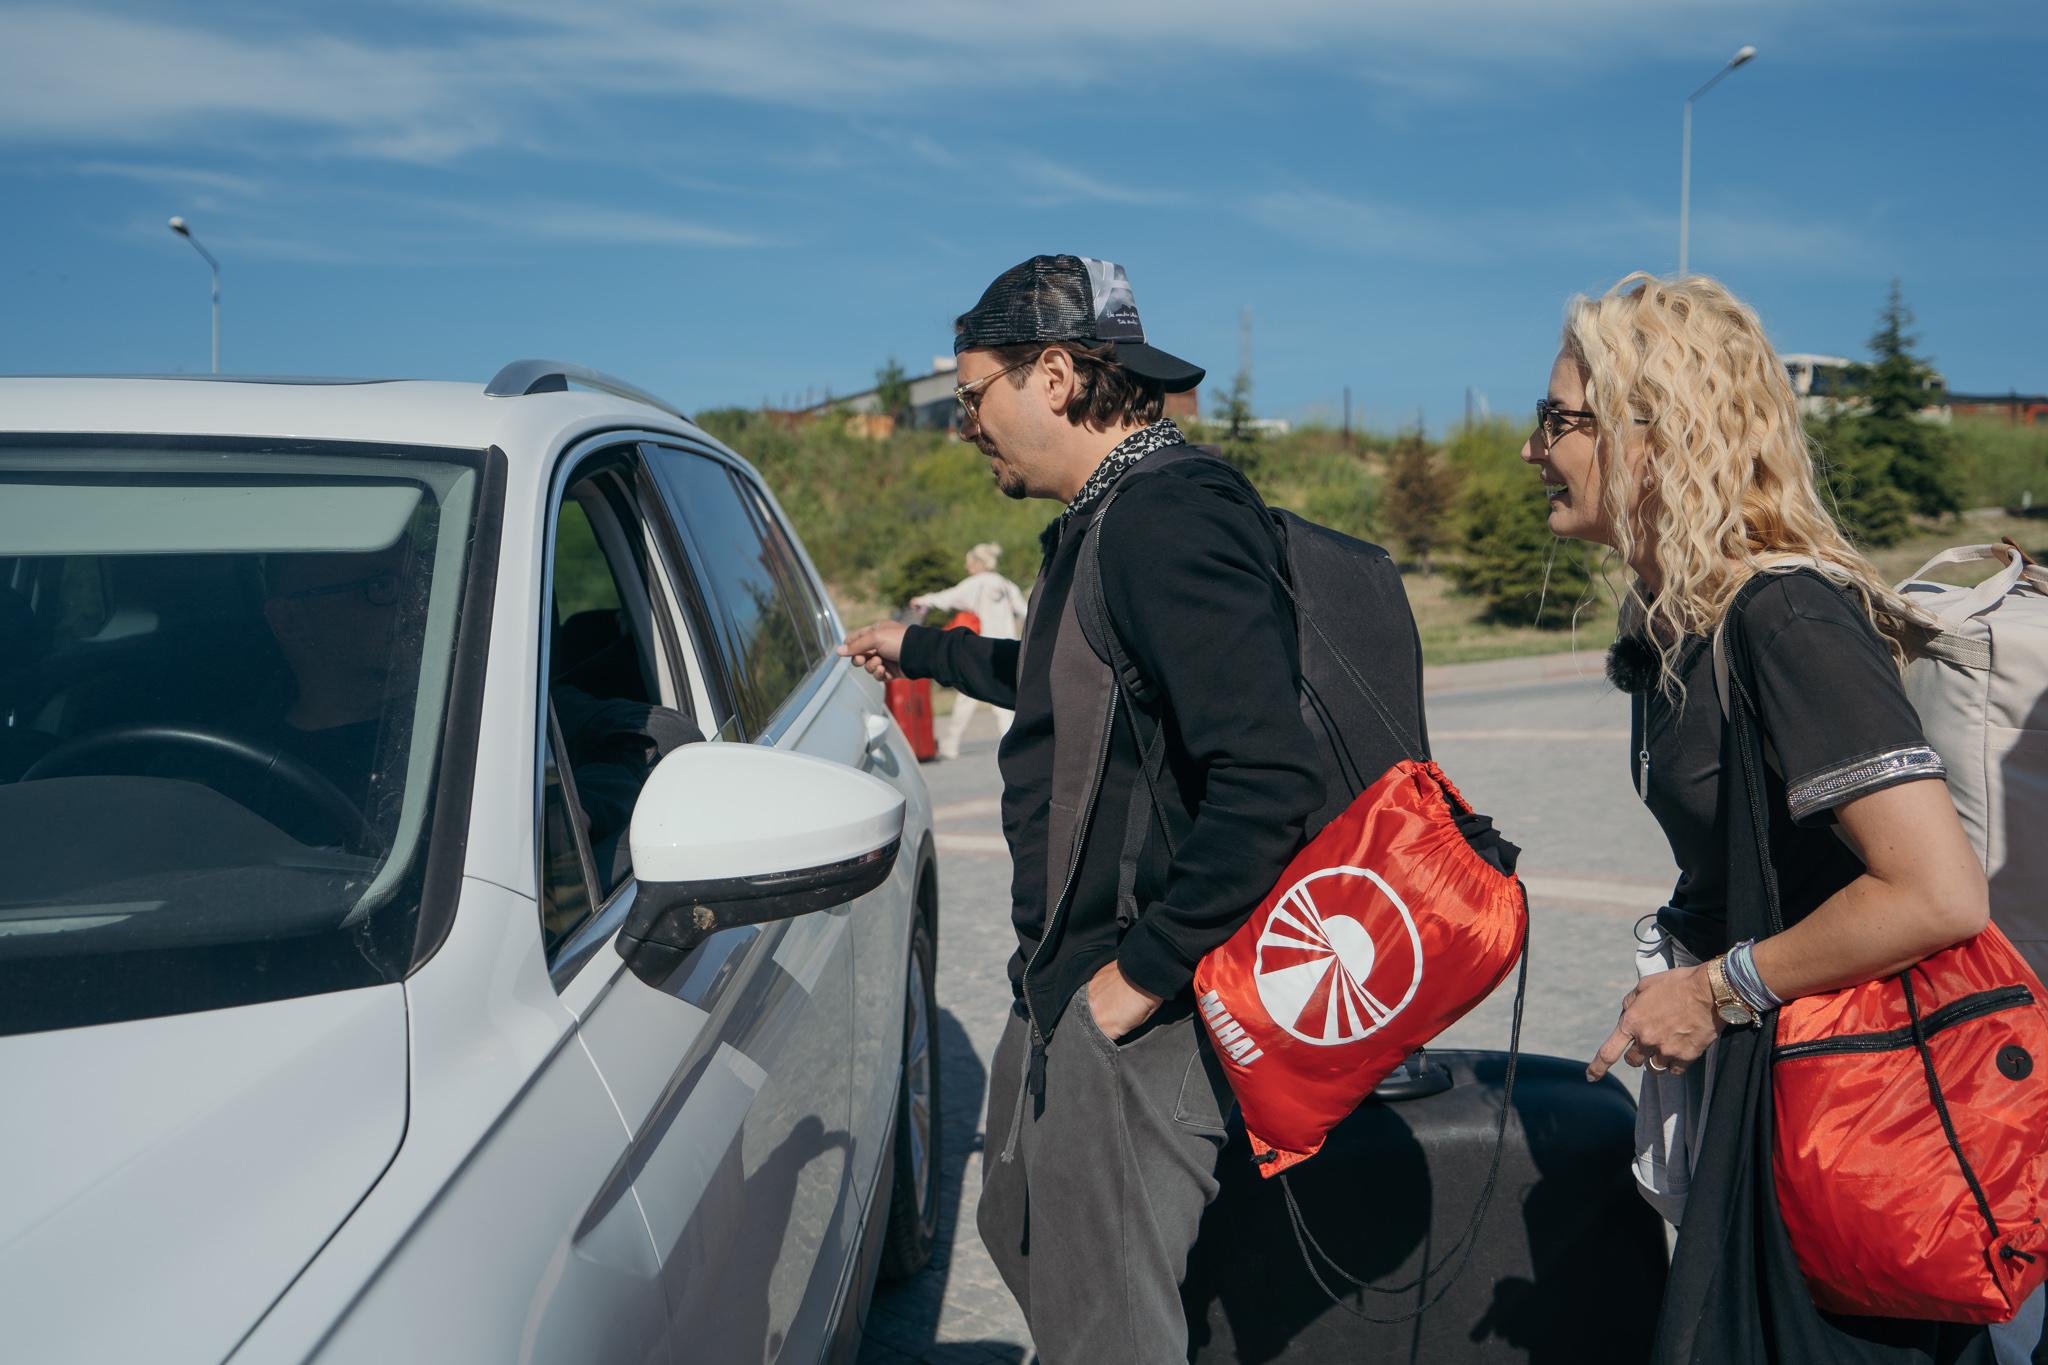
{"x":178,"y":226}
{"x":1685,"y":157}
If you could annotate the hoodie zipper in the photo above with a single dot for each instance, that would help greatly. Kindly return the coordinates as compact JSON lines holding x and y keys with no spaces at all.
{"x":1893,"y":1040}
{"x":1034,"y":1075}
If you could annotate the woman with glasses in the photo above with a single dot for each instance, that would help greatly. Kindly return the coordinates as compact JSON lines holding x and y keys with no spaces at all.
{"x":1670,"y":434}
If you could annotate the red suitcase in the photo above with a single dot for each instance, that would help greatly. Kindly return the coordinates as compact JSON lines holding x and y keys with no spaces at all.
{"x":910,"y":701}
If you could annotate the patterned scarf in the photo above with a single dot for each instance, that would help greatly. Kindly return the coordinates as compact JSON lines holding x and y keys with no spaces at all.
{"x":1126,"y":453}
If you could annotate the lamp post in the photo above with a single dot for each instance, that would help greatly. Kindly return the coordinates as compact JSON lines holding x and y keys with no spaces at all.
{"x":1685,"y":156}
{"x":178,"y":226}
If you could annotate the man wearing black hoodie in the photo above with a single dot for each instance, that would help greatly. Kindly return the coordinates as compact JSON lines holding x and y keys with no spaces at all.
{"x":1106,"y":1104}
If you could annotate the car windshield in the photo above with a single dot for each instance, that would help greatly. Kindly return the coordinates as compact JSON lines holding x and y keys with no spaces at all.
{"x":223,"y":676}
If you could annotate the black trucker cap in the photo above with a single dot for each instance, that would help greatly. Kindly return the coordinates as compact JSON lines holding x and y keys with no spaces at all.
{"x":1070,"y":298}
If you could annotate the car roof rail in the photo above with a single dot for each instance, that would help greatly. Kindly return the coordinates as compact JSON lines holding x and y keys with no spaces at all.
{"x":522,"y":377}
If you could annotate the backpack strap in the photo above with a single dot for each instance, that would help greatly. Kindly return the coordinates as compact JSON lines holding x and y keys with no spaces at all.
{"x":1091,"y":612}
{"x":1778,"y":564}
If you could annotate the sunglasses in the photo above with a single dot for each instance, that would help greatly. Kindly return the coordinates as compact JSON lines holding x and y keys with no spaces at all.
{"x":1554,"y":419}
{"x":969,"y":396}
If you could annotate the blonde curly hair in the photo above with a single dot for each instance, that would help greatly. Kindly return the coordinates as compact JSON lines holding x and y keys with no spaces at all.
{"x":1726,"y":479}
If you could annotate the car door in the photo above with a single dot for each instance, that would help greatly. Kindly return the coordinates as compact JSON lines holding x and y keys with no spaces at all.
{"x":852,"y":720}
{"x":732,"y":1075}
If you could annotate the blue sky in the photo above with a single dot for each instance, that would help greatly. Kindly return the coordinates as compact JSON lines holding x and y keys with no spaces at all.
{"x":736,"y":202}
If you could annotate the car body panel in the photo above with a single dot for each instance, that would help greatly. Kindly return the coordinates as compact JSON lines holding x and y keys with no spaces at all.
{"x":490,"y":1234}
{"x":594,"y":1168}
{"x":168,"y":1178}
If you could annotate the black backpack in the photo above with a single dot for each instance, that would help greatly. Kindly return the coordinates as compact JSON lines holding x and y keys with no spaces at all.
{"x":1351,"y":615}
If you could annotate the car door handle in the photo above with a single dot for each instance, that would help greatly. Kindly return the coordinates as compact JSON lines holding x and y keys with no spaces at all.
{"x":877,"y":726}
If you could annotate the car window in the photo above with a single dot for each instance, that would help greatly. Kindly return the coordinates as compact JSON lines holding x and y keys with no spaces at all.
{"x":583,"y":579}
{"x":765,"y":650}
{"x":619,"y":694}
{"x":567,"y":899}
{"x":223,"y":682}
{"x":806,"y":603}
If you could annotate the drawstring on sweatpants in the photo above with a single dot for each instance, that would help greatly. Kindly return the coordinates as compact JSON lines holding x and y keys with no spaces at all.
{"x":1017,"y":1117}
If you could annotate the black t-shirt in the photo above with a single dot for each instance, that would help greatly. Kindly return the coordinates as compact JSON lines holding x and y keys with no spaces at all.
{"x":1835,"y":716}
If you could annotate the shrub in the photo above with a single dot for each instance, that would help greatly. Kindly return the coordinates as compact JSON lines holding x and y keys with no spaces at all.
{"x":1524,"y":574}
{"x":1421,"y":490}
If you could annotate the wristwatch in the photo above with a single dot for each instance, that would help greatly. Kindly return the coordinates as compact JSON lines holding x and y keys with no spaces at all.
{"x":1727,"y":1003}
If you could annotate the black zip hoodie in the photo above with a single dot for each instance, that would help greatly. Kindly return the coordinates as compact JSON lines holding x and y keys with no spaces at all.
{"x":1190,"y":576}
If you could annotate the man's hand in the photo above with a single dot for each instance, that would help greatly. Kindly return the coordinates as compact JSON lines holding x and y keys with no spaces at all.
{"x":1666,"y":1024}
{"x":877,"y":648}
{"x":1118,"y":1006}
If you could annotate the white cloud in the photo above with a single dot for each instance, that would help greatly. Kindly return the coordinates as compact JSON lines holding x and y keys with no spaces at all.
{"x":1047,"y":182}
{"x":82,"y":76}
{"x":498,"y":71}
{"x":598,"y":226}
{"x":174,"y":177}
{"x":1625,"y":234}
{"x":1368,"y":227}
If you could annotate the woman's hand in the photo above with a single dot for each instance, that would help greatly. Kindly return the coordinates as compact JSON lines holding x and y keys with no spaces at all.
{"x":1666,"y":1022}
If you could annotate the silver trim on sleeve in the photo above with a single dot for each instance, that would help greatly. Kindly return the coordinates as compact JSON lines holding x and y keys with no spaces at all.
{"x":1831,"y":787}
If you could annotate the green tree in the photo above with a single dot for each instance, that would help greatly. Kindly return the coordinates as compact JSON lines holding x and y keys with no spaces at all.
{"x":1491,"y":446}
{"x":892,"y":390}
{"x":926,"y":568}
{"x":1232,"y":412}
{"x":1510,"y":560}
{"x":1871,"y":507}
{"x":1892,"y":390}
{"x":1421,"y":488}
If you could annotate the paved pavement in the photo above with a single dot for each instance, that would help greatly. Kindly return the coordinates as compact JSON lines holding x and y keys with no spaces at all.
{"x":1536,"y":744}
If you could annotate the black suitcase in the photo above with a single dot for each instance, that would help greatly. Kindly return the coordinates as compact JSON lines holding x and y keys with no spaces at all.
{"x":1566,"y":1267}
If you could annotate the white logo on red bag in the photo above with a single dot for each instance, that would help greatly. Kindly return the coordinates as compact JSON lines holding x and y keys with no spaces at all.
{"x":1339,"y":971}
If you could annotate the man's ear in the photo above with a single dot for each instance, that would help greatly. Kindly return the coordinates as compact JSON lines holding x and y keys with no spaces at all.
{"x":1060,"y":380}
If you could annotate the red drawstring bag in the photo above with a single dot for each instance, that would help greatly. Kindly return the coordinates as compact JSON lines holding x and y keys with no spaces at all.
{"x":965,"y":620}
{"x":1911,"y":1152}
{"x":1385,"y":929}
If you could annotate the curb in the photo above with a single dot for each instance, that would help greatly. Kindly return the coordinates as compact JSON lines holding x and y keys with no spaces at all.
{"x":1492,"y":673}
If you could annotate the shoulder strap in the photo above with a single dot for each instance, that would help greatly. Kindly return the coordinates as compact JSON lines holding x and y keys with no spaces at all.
{"x":1780,"y":564}
{"x":1754,"y":910}
{"x":1091,"y":611}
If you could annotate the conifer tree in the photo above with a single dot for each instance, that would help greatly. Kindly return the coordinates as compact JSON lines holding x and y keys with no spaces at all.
{"x":1510,"y":559}
{"x":1421,"y":488}
{"x":1887,"y":428}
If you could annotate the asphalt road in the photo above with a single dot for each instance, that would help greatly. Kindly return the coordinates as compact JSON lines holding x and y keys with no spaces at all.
{"x":1547,"y":760}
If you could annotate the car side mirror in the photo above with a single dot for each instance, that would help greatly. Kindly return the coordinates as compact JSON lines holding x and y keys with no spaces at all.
{"x":732,"y":834}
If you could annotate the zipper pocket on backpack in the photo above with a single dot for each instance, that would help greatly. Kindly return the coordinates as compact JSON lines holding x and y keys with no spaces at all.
{"x":1892,"y":1040}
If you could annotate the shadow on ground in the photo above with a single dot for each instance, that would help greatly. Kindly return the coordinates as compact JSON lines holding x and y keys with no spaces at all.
{"x":903,"y":1321}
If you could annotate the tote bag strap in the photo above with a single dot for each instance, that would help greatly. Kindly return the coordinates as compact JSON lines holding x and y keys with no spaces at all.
{"x":1754,"y":910}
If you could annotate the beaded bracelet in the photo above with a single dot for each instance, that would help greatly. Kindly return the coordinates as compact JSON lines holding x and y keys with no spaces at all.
{"x":1746,"y":981}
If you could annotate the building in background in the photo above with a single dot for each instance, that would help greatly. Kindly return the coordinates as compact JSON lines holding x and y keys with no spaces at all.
{"x":1826,"y":383}
{"x":2014,"y":409}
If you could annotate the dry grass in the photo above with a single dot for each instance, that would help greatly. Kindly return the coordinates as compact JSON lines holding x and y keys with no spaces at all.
{"x":1975,"y":528}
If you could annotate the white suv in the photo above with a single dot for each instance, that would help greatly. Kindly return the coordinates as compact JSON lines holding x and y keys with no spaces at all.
{"x":454,"y":903}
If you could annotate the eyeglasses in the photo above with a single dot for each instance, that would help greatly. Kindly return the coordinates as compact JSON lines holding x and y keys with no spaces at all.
{"x":1554,"y":419}
{"x":969,"y":396}
{"x":379,"y":590}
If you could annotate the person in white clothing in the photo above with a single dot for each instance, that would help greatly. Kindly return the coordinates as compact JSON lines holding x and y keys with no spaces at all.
{"x":998,"y":605}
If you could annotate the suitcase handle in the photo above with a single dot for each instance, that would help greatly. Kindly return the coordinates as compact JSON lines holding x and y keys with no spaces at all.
{"x":1417,"y":1078}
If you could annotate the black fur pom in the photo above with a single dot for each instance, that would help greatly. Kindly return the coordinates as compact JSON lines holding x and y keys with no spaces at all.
{"x":1632,"y":665}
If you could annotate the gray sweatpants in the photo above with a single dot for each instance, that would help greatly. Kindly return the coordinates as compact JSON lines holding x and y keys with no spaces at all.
{"x":1091,"y":1218}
